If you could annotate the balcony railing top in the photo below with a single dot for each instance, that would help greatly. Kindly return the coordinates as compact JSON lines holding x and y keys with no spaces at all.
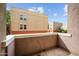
{"x":11,"y":38}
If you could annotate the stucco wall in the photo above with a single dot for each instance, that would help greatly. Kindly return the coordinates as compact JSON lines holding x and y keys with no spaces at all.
{"x":28,"y":46}
{"x":35,"y":21}
{"x":64,"y":42}
{"x":57,"y":25}
{"x":11,"y":49}
{"x":73,"y":27}
{"x":54,"y":26}
{"x":2,"y":26}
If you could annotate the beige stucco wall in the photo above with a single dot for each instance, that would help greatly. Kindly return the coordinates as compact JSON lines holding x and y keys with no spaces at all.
{"x":57,"y":25}
{"x":34,"y":21}
{"x":54,"y":26}
{"x":73,"y":28}
{"x":11,"y":49}
{"x":65,"y":42}
{"x":2,"y":26}
{"x":50,"y":25}
{"x":28,"y":46}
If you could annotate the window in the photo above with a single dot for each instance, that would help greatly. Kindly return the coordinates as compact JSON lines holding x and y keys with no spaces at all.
{"x":25,"y":27}
{"x":23,"y":17}
{"x":21,"y":26}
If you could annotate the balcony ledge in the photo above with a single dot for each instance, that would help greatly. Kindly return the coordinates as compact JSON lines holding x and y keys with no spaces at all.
{"x":34,"y":35}
{"x":65,"y":34}
{"x":11,"y":38}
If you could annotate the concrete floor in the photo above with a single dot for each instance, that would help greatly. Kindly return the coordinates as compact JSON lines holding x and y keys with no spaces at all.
{"x":54,"y":52}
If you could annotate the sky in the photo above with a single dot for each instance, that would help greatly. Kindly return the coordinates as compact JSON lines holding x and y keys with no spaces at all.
{"x":55,"y":11}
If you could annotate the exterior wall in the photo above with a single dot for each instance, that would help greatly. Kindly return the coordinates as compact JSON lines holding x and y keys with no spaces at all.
{"x":28,"y":32}
{"x":64,"y":42}
{"x":54,"y":26}
{"x":10,"y":45}
{"x":50,"y":25}
{"x":64,"y":26}
{"x":10,"y":49}
{"x":57,"y":25}
{"x":2,"y":27}
{"x":34,"y":22}
{"x":73,"y":27}
{"x":29,"y":46}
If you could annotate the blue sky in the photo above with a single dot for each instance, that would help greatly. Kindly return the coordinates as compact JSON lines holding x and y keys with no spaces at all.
{"x":55,"y":11}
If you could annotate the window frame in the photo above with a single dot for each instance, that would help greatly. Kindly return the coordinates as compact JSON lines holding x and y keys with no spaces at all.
{"x":21,"y":26}
{"x":23,"y":17}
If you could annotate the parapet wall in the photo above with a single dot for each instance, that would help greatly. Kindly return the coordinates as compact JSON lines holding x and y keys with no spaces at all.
{"x":34,"y":44}
{"x":28,"y":44}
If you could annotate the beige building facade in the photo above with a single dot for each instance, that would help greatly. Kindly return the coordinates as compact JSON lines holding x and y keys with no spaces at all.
{"x":54,"y":26}
{"x":26,"y":21}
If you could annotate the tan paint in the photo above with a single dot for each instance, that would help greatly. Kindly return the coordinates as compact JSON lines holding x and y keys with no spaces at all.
{"x":73,"y":28}
{"x":34,"y":21}
{"x":28,"y":46}
{"x":11,"y":49}
{"x":54,"y":26}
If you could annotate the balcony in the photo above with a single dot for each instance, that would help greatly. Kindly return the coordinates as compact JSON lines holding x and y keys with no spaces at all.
{"x":38,"y":44}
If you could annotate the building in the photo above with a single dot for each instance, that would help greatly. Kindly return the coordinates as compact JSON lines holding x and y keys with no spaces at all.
{"x":25,"y":21}
{"x":54,"y":26}
{"x":43,"y":44}
{"x":64,"y":26}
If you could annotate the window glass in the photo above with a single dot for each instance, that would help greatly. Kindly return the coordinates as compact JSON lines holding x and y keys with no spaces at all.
{"x":21,"y":17}
{"x":24,"y":18}
{"x":25,"y":27}
{"x":21,"y":26}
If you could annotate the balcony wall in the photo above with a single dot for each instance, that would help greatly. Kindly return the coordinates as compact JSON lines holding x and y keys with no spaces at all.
{"x":34,"y":44}
{"x":10,"y":45}
{"x":29,"y":44}
{"x":11,"y":49}
{"x":64,"y":41}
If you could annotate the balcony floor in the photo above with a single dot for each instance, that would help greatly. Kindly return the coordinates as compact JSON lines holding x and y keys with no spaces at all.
{"x":54,"y":52}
